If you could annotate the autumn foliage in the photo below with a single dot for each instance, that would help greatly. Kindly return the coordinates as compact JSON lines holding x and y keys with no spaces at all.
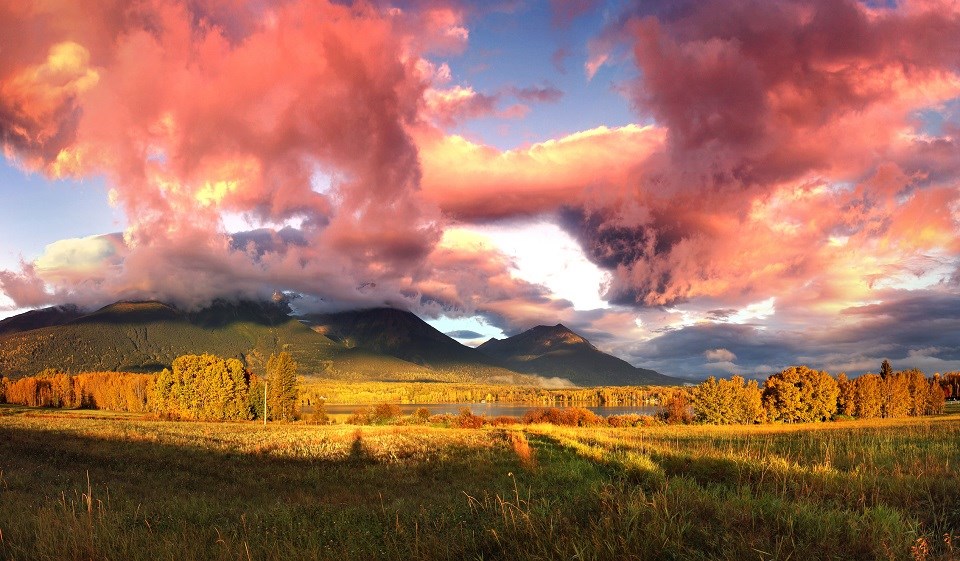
{"x":733,"y":401}
{"x":800,"y":394}
{"x":202,"y":387}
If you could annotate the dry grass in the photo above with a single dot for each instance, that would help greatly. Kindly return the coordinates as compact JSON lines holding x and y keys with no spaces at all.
{"x":76,"y":485}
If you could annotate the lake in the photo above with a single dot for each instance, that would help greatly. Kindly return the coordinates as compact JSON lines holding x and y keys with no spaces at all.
{"x":496,"y":409}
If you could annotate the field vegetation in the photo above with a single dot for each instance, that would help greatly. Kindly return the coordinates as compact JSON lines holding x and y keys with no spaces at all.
{"x":80,"y":484}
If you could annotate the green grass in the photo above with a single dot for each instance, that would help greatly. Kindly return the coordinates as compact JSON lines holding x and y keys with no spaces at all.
{"x":86,"y":485}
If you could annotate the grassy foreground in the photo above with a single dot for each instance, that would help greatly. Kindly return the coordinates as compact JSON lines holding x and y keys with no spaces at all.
{"x":76,"y":485}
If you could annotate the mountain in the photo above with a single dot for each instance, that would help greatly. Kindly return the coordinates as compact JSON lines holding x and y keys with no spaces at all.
{"x":147,"y":336}
{"x":403,"y":335}
{"x":378,"y":344}
{"x":555,"y":351}
{"x":35,"y":319}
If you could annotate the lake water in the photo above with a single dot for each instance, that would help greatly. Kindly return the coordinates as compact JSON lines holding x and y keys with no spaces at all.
{"x":496,"y":409}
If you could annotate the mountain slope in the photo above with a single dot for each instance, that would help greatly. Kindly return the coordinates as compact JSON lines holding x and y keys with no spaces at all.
{"x":405,"y":336}
{"x":147,"y":336}
{"x":557,"y":351}
{"x":35,"y":319}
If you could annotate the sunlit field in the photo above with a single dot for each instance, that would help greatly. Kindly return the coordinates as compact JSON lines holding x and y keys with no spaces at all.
{"x":92,"y":485}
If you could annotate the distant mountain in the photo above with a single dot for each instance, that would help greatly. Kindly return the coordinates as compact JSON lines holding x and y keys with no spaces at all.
{"x":403,"y":335}
{"x":557,"y":351}
{"x":35,"y":319}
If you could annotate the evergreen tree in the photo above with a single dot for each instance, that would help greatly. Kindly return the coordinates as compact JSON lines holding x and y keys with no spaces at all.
{"x":885,"y":369}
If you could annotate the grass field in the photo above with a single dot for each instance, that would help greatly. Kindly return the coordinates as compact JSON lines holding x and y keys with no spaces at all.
{"x":88,"y":485}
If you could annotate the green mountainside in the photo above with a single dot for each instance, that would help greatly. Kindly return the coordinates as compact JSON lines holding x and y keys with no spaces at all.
{"x":555,"y":351}
{"x":368,"y":345}
{"x":405,"y":336}
{"x":147,"y":336}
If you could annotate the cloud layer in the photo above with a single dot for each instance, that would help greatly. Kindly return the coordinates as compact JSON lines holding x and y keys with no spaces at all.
{"x":797,"y":166}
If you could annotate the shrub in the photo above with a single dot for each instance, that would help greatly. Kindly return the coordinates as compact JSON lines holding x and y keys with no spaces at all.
{"x":502,"y":420}
{"x":385,"y":413}
{"x":570,"y":417}
{"x":420,"y":416}
{"x":467,"y":420}
{"x":676,"y":409}
{"x":628,"y":420}
{"x":443,"y":419}
{"x":360,"y":416}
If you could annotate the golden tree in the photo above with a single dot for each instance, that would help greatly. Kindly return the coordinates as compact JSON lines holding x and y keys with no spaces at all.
{"x":800,"y":394}
{"x":282,"y":388}
{"x":868,"y":396}
{"x":733,"y":401}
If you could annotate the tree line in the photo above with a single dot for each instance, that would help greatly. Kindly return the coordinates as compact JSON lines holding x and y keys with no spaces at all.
{"x":197,"y":387}
{"x":801,"y":395}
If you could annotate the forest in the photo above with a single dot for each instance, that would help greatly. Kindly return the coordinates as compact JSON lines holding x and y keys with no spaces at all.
{"x":207,"y":387}
{"x":196,"y":387}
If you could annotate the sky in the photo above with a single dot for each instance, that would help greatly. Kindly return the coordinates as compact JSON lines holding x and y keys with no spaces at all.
{"x":699,"y":187}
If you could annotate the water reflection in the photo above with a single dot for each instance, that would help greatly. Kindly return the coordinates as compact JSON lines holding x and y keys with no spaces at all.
{"x":495,"y":409}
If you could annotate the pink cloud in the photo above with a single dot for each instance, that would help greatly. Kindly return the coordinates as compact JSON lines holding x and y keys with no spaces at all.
{"x":477,"y":182}
{"x":194,"y":109}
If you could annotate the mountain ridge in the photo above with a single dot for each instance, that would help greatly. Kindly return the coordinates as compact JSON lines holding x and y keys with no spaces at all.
{"x":377,"y":344}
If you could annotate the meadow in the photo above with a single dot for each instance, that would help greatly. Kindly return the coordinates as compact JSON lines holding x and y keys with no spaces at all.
{"x":96,"y":485}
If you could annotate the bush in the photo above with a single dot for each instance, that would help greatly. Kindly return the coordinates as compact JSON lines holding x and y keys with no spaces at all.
{"x":360,"y":416}
{"x":502,"y":420}
{"x":443,"y":419}
{"x":467,"y":420}
{"x":632,"y":420}
{"x":570,"y":417}
{"x":318,"y":417}
{"x":385,"y":413}
{"x":676,"y":409}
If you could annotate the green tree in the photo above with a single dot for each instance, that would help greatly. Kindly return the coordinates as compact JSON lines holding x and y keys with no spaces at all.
{"x":4,"y":383}
{"x":282,"y":387}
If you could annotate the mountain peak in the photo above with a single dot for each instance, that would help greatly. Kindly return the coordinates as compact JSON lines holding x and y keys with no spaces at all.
{"x":556,"y":350}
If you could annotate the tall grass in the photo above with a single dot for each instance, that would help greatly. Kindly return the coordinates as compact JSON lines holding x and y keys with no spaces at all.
{"x":84,"y":486}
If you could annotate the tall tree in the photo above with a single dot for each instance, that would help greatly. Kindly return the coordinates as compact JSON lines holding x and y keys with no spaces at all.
{"x":282,"y":388}
{"x":846,"y":404}
{"x":896,"y":396}
{"x":868,"y":396}
{"x":936,"y":400}
{"x":885,"y":369}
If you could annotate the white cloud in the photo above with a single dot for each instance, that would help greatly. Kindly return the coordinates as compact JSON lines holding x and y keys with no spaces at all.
{"x":720,"y":355}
